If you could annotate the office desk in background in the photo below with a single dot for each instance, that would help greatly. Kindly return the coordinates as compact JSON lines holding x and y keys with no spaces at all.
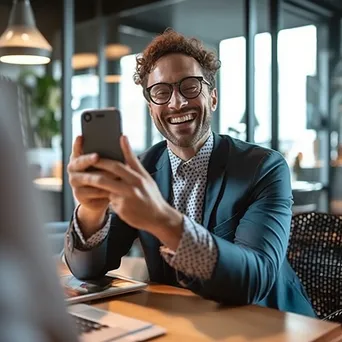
{"x":49,"y":192}
{"x":188,"y":317}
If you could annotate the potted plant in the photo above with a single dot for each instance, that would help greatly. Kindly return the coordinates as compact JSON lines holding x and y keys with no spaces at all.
{"x":45,"y":114}
{"x":45,"y":96}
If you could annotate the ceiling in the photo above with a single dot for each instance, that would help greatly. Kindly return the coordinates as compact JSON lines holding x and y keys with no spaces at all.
{"x":333,"y":4}
{"x":49,"y":13}
{"x":84,"y":9}
{"x":210,"y":21}
{"x":111,"y":6}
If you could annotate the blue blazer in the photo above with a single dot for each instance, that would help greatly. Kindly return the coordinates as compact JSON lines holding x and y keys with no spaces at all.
{"x":247,"y":209}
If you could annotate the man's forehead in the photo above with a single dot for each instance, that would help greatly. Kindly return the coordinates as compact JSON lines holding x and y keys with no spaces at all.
{"x":172,"y":68}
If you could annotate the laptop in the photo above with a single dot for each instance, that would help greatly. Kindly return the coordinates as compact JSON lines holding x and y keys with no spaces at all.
{"x":32,"y":305}
{"x":97,"y":325}
{"x":94,"y":324}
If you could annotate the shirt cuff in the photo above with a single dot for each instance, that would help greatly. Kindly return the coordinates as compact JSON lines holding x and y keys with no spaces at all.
{"x":196,"y":254}
{"x":96,"y":238}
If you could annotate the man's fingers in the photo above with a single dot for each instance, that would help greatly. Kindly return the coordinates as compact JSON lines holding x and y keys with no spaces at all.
{"x":119,"y":170}
{"x":98,"y":180}
{"x":91,"y":193}
{"x":77,"y":147}
{"x":82,"y":162}
{"x":130,"y":157}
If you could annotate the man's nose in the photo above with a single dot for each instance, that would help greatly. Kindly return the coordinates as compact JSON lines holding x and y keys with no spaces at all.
{"x":177,"y":101}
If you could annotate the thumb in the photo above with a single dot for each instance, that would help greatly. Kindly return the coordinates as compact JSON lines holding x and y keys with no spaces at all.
{"x":130,"y":158}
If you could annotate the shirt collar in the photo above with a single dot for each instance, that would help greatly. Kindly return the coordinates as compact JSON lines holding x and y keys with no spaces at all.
{"x":198,"y":162}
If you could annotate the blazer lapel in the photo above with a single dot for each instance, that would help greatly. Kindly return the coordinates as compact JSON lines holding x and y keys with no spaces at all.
{"x":162,"y":175}
{"x":216,"y":172}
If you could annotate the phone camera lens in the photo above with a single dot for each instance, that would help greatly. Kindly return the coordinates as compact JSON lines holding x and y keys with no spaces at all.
{"x":87,"y":117}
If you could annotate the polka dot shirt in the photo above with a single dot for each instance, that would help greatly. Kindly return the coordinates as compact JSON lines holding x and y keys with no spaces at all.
{"x":196,"y":254}
{"x":96,"y":238}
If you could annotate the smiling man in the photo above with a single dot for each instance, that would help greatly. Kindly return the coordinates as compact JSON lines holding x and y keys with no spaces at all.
{"x":212,"y":213}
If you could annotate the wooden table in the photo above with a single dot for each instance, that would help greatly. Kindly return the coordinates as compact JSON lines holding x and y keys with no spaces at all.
{"x":188,"y":317}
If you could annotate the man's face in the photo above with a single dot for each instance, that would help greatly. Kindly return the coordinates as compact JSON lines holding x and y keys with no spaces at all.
{"x":183,"y":122}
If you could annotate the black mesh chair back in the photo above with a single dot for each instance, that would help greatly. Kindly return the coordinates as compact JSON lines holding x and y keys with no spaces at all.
{"x":315,"y":253}
{"x":335,"y":316}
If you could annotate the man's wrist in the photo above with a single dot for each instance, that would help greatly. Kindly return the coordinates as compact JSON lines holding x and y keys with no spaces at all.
{"x":90,"y":221}
{"x":169,"y":227}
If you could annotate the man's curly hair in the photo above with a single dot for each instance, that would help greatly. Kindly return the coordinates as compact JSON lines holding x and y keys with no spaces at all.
{"x":174,"y":42}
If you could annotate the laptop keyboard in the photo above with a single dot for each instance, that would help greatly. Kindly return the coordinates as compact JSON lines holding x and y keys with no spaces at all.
{"x":113,"y":327}
{"x":84,"y":326}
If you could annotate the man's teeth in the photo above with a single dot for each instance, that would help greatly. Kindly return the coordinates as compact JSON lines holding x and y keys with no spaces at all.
{"x":181,"y":119}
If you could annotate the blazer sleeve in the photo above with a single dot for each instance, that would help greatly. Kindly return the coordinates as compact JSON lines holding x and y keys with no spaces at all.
{"x":247,"y":268}
{"x":86,"y":264}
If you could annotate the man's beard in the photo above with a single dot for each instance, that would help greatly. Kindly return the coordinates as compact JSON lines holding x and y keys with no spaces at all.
{"x":186,"y":141}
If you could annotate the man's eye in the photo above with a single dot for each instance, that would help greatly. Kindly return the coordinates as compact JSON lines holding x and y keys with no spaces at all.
{"x":190,"y":88}
{"x":162,"y":94}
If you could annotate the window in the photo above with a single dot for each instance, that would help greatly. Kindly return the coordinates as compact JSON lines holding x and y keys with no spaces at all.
{"x":297,"y":61}
{"x":132,"y":105}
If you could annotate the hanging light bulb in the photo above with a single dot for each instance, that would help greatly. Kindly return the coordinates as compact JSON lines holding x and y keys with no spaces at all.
{"x":22,"y":43}
{"x":114,"y":52}
{"x":84,"y":61}
{"x":113,"y":78}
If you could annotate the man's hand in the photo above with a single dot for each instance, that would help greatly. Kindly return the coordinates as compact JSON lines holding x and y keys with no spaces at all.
{"x":94,"y":201}
{"x":135,"y":197}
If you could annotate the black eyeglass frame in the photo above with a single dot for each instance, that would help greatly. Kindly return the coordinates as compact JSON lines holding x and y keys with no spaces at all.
{"x":201,"y":79}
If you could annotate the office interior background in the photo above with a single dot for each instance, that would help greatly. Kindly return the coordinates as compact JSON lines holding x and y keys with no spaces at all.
{"x":280,"y":84}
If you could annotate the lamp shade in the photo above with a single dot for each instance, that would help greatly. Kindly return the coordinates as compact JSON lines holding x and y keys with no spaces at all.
{"x":22,"y":43}
{"x":113,"y":78}
{"x":84,"y":61}
{"x":116,"y":51}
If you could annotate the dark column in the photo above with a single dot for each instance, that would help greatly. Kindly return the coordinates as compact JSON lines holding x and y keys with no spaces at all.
{"x":67,"y":72}
{"x":334,"y":54}
{"x":149,"y":126}
{"x":275,"y":7}
{"x":251,"y":30}
{"x":101,"y":52}
{"x":113,"y":68}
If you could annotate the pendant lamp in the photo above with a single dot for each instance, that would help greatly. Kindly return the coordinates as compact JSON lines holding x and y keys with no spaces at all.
{"x":22,"y":43}
{"x":114,"y":52}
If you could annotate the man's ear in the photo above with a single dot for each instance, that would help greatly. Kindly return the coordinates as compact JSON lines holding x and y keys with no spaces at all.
{"x":213,"y":100}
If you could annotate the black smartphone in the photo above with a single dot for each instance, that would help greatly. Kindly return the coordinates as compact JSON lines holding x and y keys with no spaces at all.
{"x":101,"y":130}
{"x":99,"y":284}
{"x":74,"y":287}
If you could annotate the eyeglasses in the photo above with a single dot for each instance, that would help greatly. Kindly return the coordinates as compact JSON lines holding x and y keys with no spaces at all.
{"x":189,"y":87}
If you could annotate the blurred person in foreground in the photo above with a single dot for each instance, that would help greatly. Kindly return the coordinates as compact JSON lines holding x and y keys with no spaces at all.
{"x":31,"y":301}
{"x":212,"y":213}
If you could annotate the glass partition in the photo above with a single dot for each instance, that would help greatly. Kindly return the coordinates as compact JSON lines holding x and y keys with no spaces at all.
{"x":132,"y":105}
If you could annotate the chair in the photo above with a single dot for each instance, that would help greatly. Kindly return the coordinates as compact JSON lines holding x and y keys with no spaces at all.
{"x":315,"y":253}
{"x":335,"y":316}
